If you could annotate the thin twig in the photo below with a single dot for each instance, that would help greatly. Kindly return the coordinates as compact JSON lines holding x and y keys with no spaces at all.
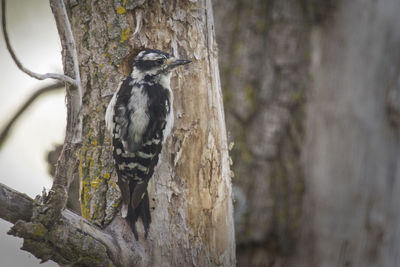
{"x":71,"y":43}
{"x":5,"y":131}
{"x":71,"y":67}
{"x":66,"y":171}
{"x":38,"y":76}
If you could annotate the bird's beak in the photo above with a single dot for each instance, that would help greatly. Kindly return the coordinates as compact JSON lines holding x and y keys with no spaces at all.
{"x":173,"y":62}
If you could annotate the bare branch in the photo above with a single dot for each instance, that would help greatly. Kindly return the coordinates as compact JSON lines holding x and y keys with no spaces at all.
{"x":17,"y":208}
{"x":64,"y":28}
{"x":71,"y":44}
{"x":65,"y":173}
{"x":14,"y":206}
{"x":103,"y":247}
{"x":5,"y":131}
{"x":38,"y":76}
{"x":71,"y":67}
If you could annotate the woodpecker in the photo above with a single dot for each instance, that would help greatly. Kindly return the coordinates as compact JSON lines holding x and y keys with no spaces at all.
{"x":140,"y":117}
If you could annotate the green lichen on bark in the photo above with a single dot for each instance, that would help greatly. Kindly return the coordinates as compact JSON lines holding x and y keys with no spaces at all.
{"x":61,"y":243}
{"x":102,"y":43}
{"x":96,"y":168}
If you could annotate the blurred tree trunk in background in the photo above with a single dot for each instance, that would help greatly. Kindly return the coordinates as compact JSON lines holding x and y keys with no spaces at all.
{"x":352,"y":150}
{"x":312,"y":100}
{"x":264,"y":61}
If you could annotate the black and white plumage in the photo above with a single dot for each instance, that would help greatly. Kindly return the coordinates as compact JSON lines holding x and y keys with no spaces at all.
{"x":140,"y":117}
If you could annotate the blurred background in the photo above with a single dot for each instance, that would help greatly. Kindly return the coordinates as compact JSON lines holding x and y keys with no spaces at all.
{"x":312,"y":100}
{"x":23,"y":164}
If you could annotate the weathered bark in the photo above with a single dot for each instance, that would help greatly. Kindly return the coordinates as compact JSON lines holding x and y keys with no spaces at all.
{"x":14,"y":205}
{"x":190,"y":192}
{"x":352,"y":151}
{"x":74,"y":241}
{"x":264,"y":56}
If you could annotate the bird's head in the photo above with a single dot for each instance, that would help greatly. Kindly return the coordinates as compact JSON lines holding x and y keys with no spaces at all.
{"x":154,"y":62}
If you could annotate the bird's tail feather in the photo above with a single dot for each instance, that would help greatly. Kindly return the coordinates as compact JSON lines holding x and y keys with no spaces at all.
{"x":142,"y":211}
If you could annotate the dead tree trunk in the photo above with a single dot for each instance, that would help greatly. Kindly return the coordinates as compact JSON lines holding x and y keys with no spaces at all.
{"x":190,"y":191}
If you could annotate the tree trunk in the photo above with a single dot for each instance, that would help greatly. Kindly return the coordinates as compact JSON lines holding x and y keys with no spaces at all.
{"x":190,"y":192}
{"x":342,"y":156}
{"x":352,"y":150}
{"x":264,"y":48}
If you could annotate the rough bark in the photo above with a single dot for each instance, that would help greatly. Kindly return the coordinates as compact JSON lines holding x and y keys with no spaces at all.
{"x":352,"y":150}
{"x":190,"y":191}
{"x":73,"y":241}
{"x":14,"y":205}
{"x":264,"y":59}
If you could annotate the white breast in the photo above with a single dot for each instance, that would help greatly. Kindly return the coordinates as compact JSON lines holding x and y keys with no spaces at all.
{"x":139,"y":118}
